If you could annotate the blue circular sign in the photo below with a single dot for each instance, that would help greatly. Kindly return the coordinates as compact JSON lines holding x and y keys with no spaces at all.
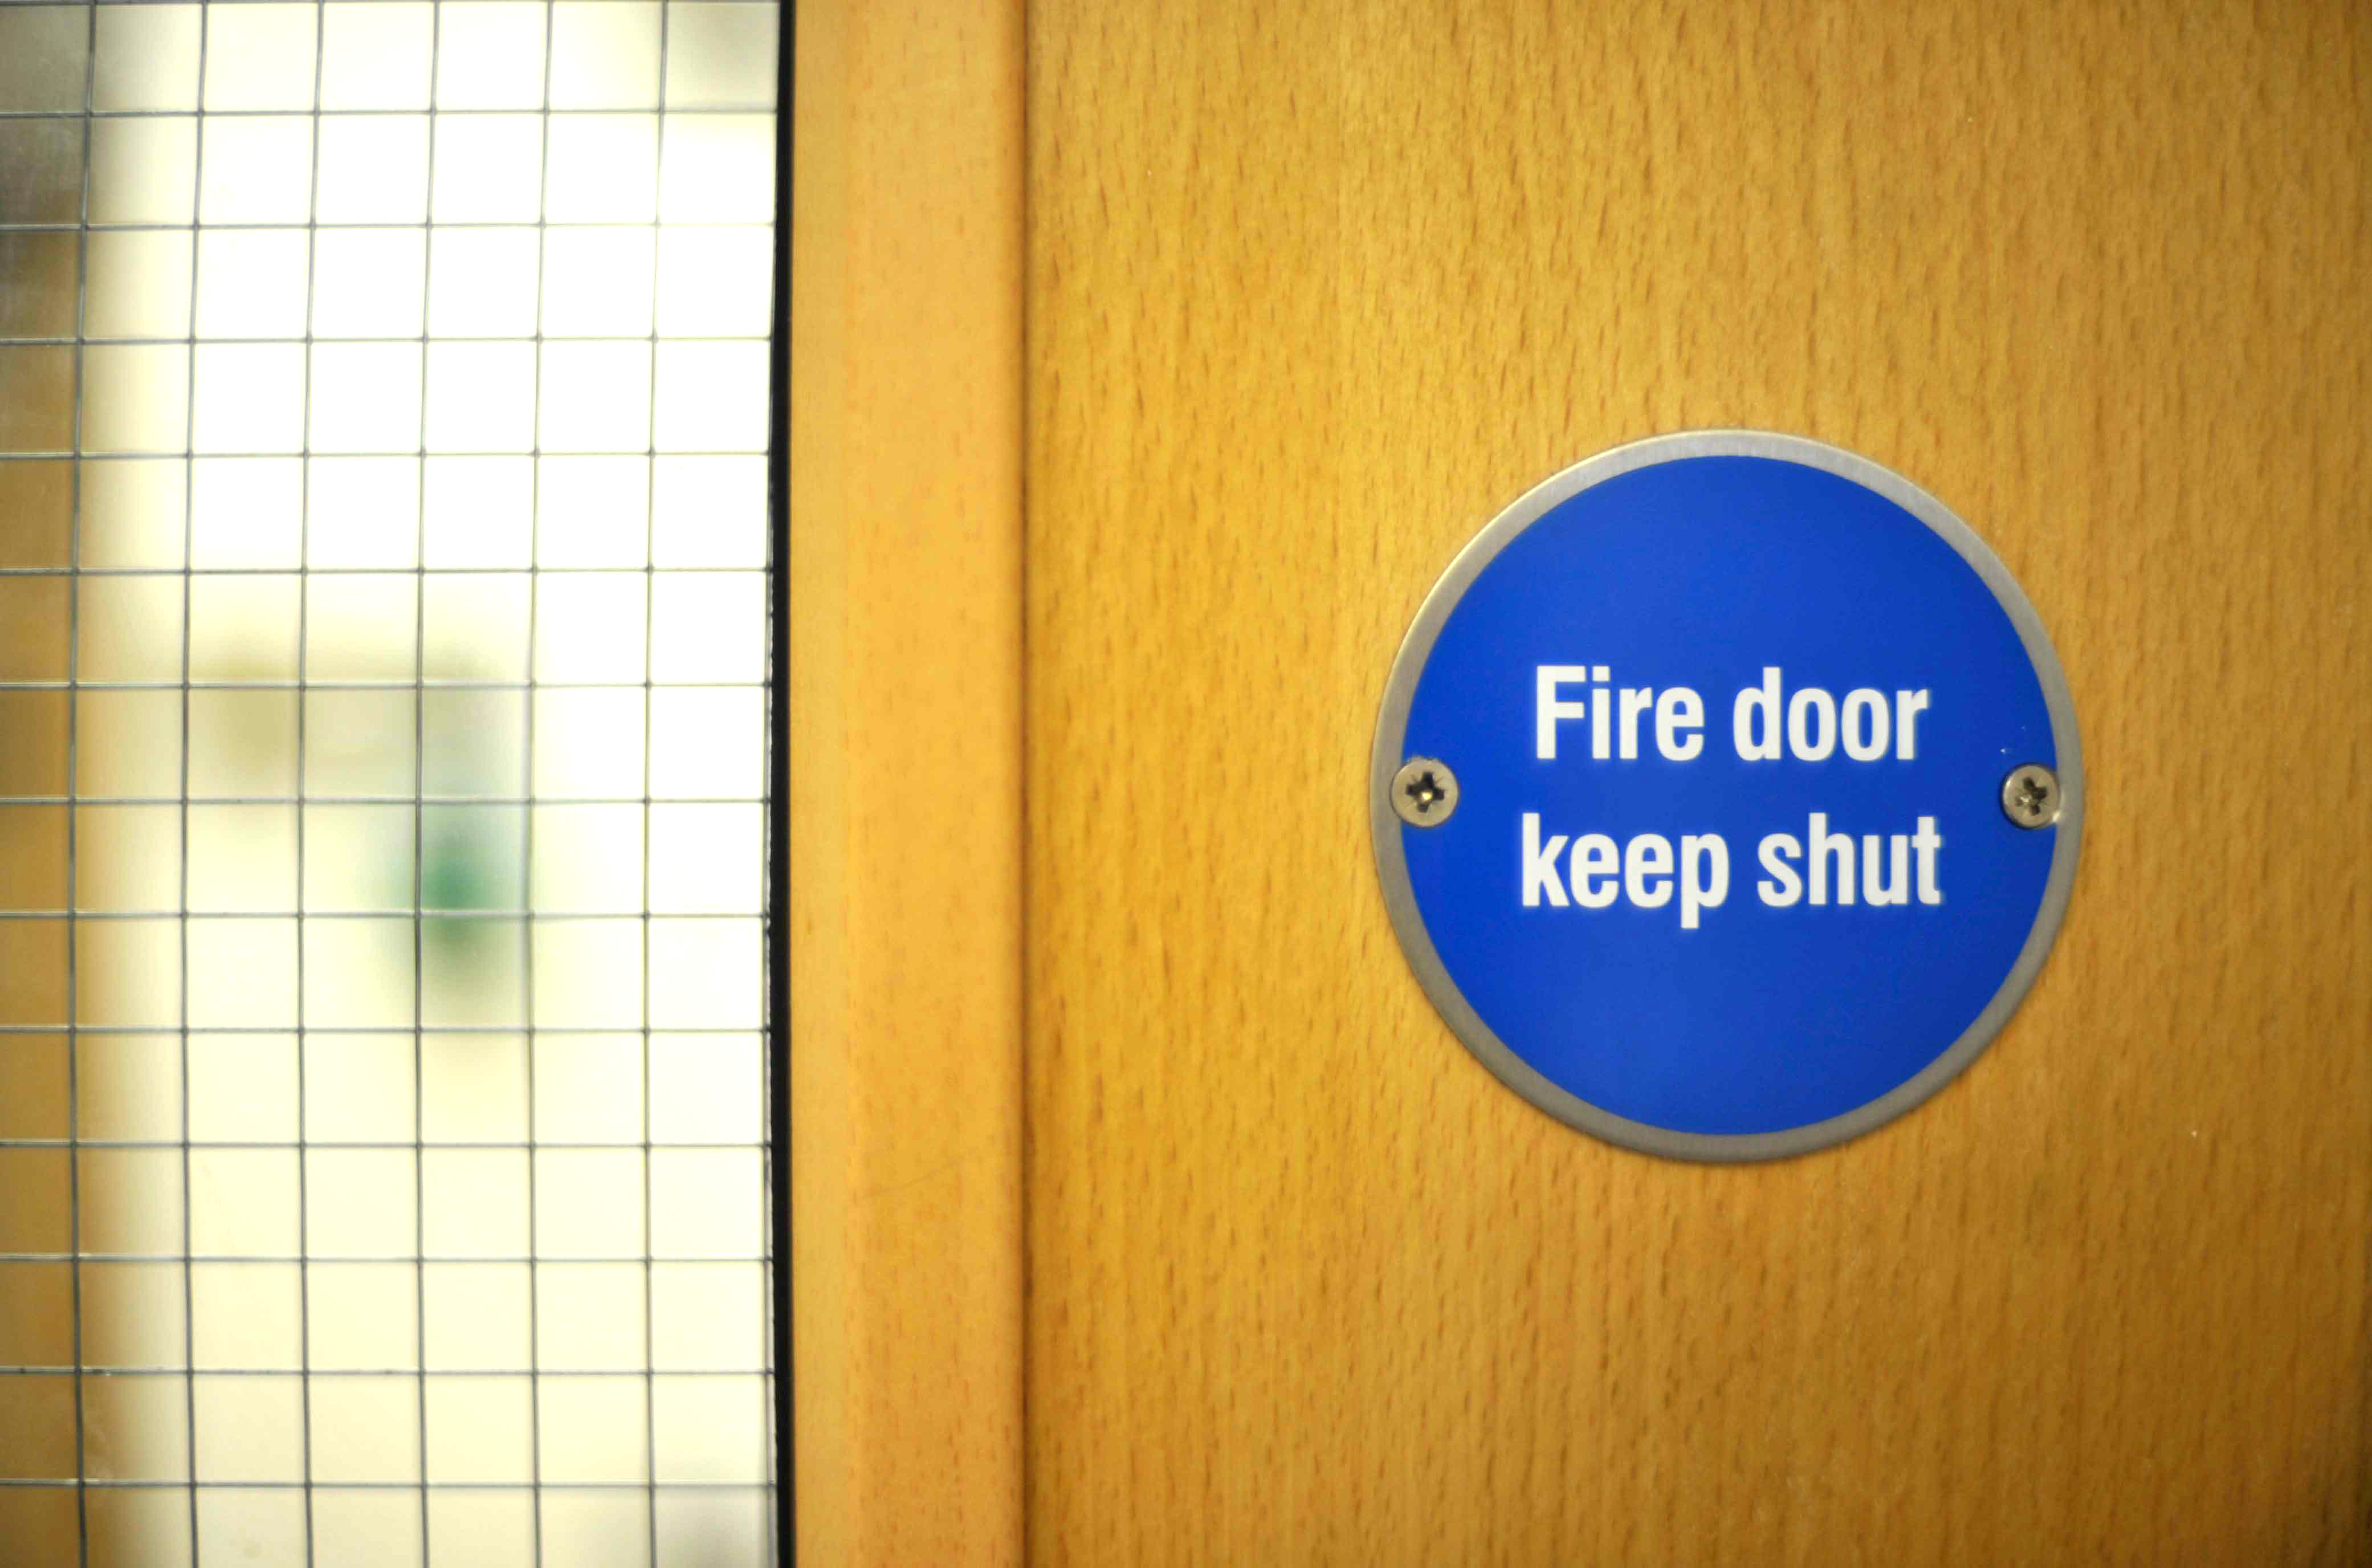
{"x":1727,"y":795}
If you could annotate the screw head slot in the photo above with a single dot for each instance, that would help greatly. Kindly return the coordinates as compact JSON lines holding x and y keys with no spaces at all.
{"x":2030,"y":796}
{"x":1424,"y":792}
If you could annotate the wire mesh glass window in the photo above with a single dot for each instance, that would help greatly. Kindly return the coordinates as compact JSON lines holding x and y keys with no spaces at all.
{"x":383,"y":419}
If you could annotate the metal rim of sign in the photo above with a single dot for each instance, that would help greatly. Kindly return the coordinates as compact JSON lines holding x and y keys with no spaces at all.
{"x":1391,"y":863}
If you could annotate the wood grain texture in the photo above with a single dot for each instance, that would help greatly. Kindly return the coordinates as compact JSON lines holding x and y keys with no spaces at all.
{"x":904,"y":807}
{"x":1314,"y":290}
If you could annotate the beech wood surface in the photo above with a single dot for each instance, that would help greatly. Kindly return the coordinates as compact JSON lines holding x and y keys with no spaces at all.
{"x":1315,"y":289}
{"x":904,"y":810}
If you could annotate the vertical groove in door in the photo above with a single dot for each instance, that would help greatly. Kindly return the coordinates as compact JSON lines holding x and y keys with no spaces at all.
{"x":784,"y":1428}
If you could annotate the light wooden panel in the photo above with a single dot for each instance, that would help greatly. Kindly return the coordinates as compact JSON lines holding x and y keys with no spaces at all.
{"x":1314,"y":290}
{"x":904,"y":805}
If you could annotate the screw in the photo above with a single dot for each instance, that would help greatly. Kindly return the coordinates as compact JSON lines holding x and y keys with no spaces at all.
{"x":1424,"y":792}
{"x":2029,"y":796}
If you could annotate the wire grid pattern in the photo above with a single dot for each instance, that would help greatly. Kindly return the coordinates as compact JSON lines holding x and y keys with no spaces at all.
{"x":407,"y":1124}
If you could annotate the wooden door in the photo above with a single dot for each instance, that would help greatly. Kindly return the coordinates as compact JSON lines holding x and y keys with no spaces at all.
{"x":1151,"y":363}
